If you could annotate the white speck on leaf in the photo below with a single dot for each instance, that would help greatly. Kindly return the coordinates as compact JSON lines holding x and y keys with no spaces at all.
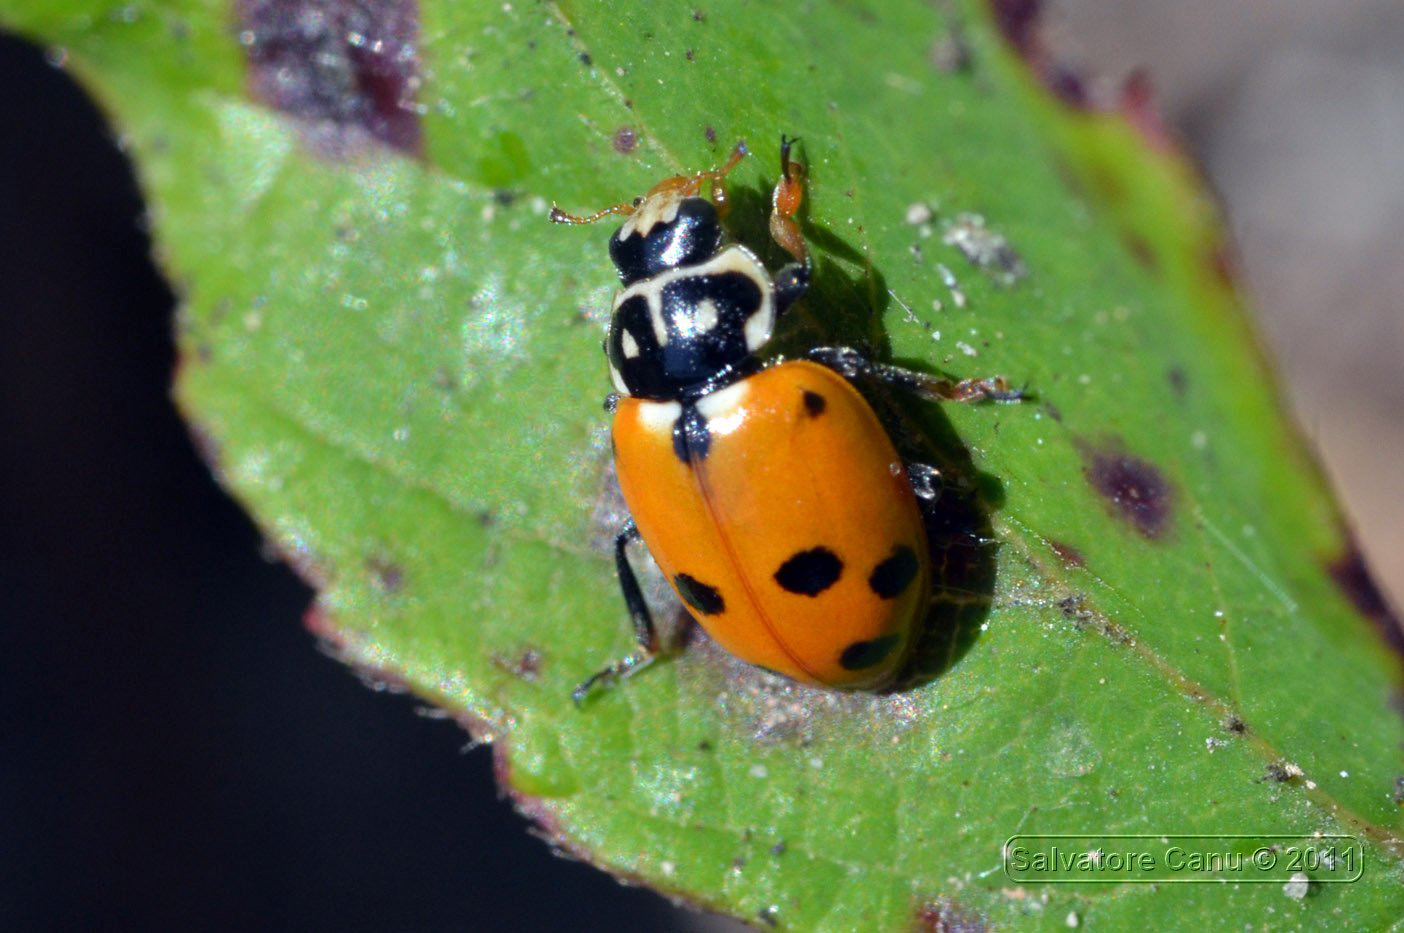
{"x":918,"y":213}
{"x":986,"y":249}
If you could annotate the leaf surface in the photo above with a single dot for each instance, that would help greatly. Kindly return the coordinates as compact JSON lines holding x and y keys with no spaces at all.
{"x":394,"y":358}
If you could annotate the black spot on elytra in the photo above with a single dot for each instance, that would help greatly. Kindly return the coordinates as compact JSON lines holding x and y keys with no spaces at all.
{"x":894,"y":574}
{"x":348,"y":69}
{"x":705,"y":599}
{"x":1353,"y":579}
{"x":811,"y":572}
{"x":862,"y":655}
{"x":1135,"y":488}
{"x":814,"y":404}
{"x":691,"y":439}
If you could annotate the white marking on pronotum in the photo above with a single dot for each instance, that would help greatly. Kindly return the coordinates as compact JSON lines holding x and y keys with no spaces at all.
{"x":738,"y":259}
{"x":724,"y":410}
{"x":706,"y":317}
{"x":618,"y":380}
{"x":628,"y":344}
{"x":761,"y":322}
{"x":651,"y":291}
{"x":759,"y":326}
{"x":655,"y":314}
{"x":661,"y":208}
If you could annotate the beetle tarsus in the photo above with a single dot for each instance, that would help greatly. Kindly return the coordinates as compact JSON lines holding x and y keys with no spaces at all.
{"x":644,"y":631}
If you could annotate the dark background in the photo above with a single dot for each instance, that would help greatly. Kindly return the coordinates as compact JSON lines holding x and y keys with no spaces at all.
{"x":174,"y":751}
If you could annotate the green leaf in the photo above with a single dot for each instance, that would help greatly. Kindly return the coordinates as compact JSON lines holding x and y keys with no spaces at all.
{"x":395,"y":359}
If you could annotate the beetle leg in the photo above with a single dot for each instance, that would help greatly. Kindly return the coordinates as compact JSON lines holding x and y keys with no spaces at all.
{"x":851,"y":364}
{"x":785,"y":203}
{"x":644,"y":631}
{"x":718,"y":179}
{"x":926,"y":482}
{"x":793,"y":279}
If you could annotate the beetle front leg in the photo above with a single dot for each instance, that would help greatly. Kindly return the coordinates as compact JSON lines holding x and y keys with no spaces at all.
{"x":639,"y":615}
{"x":851,"y":364}
{"x":792,"y":280}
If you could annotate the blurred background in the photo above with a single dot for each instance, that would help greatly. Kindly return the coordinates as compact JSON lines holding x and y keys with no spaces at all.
{"x":1295,"y":111}
{"x":176,"y":752}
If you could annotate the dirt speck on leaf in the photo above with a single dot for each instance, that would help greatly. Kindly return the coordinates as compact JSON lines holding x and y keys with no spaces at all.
{"x":985,"y":249}
{"x":525,"y":666}
{"x":1069,"y":555}
{"x":950,"y":53}
{"x":944,"y":915}
{"x":1178,"y":381}
{"x":1297,"y":886}
{"x":1140,"y":249}
{"x":1283,"y":772}
{"x":386,"y":575}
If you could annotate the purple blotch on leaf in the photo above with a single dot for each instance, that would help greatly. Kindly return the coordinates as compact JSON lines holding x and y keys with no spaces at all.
{"x":1135,"y":488}
{"x":348,"y":69}
{"x":1354,"y":580}
{"x":625,"y":140}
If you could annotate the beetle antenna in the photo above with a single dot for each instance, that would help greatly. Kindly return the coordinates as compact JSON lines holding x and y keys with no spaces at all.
{"x":558,"y":216}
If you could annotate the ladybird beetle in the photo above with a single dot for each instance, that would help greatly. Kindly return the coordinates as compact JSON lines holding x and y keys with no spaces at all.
{"x":768,"y":493}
